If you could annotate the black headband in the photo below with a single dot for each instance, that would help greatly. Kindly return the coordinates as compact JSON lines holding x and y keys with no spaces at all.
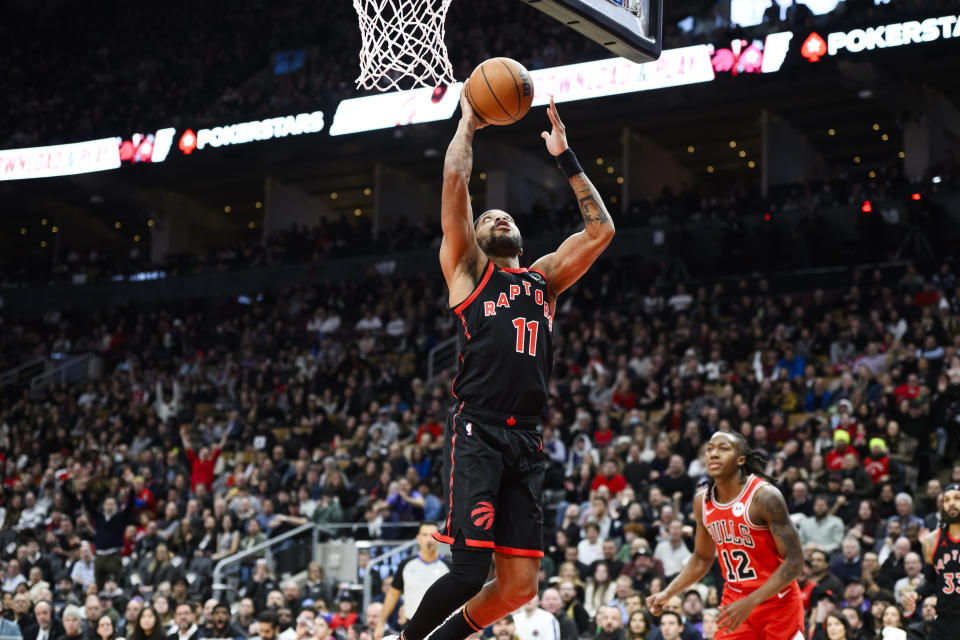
{"x":952,"y":487}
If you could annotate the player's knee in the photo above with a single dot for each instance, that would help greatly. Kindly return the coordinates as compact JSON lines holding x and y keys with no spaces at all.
{"x":469,"y":572}
{"x":520,"y":592}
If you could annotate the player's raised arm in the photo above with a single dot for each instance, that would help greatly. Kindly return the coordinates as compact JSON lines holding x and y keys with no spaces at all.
{"x":704,"y":551}
{"x":459,"y":252}
{"x":769,"y":508}
{"x":575,"y":255}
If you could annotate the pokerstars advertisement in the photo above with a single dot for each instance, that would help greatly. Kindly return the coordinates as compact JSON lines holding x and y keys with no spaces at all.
{"x":868,"y":39}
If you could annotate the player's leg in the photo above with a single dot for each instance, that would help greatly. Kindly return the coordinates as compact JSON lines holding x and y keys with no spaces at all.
{"x":471,"y":475}
{"x":514,"y":586}
{"x":468,"y":572}
{"x":780,"y":618}
{"x":518,"y":532}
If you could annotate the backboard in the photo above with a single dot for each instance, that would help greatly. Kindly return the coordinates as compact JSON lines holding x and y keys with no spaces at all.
{"x":632,"y":29}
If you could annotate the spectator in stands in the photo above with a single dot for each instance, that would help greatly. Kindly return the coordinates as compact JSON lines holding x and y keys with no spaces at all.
{"x":672,"y":552}
{"x":148,"y":626}
{"x":44,"y":627}
{"x":849,"y":565}
{"x":590,"y":547}
{"x":534,"y":623}
{"x":110,"y":525}
{"x":609,"y":478}
{"x":72,"y":623}
{"x":202,"y":464}
{"x":821,"y":530}
{"x":267,"y":625}
{"x":551,"y":602}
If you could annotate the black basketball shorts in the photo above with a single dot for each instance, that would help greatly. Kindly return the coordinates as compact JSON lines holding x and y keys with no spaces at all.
{"x":493,"y":469}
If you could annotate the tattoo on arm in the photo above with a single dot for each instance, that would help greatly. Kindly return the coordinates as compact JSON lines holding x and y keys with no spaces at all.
{"x":778,"y":519}
{"x":591,"y":204}
{"x":591,"y":211}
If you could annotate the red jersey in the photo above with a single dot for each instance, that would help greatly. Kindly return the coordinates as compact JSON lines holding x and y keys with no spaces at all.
{"x":877,"y":467}
{"x":748,"y":552}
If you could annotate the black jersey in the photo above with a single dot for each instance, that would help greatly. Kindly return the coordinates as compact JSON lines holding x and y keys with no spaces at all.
{"x":506,"y":351}
{"x":946,"y":562}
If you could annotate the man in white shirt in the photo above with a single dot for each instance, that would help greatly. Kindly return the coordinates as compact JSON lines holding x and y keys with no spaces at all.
{"x":590,"y":547}
{"x":533,"y":623}
{"x":672,"y":552}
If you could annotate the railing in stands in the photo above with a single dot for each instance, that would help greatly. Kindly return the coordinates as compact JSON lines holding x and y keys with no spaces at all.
{"x":72,"y":369}
{"x":442,"y":357}
{"x":376,"y":562}
{"x":27,"y":369}
{"x":268,"y":550}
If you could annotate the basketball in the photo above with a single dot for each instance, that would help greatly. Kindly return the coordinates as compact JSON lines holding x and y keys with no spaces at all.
{"x":500,"y":91}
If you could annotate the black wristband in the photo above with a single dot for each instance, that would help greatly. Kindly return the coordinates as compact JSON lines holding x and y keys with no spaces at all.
{"x":567,"y":161}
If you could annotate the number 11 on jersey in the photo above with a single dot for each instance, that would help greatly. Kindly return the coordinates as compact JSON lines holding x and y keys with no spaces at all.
{"x":522,"y":325}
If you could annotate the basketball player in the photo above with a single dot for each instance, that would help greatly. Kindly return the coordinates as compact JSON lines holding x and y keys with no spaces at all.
{"x":743,"y":516}
{"x":493,"y":455}
{"x":941,"y":548}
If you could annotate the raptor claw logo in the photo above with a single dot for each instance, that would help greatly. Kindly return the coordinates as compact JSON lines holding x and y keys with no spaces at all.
{"x":483,"y":515}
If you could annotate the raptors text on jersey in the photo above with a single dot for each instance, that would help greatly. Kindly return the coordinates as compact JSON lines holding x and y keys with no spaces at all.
{"x":506,"y":350}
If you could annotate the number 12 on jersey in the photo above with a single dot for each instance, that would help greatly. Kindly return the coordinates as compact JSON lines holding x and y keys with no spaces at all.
{"x":522,"y":325}
{"x":737,"y":566}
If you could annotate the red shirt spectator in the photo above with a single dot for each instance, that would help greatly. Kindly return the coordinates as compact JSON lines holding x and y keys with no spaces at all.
{"x":877,"y":464}
{"x":201,"y":466}
{"x":610,"y":479}
{"x":909,"y":390}
{"x":432,"y":427}
{"x":841,"y":442}
{"x":343,"y":618}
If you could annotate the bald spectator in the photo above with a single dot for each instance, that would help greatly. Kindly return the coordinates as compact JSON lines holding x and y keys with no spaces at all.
{"x":45,"y":627}
{"x":551,"y":602}
{"x":913,"y":567}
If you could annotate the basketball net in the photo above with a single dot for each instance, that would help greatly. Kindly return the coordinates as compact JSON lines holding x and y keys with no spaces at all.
{"x":403,"y":39}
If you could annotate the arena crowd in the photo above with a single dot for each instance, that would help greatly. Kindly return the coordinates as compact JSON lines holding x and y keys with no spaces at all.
{"x":215,"y":427}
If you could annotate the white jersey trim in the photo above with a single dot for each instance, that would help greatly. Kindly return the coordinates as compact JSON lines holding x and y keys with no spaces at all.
{"x":727,"y":505}
{"x":749,"y":500}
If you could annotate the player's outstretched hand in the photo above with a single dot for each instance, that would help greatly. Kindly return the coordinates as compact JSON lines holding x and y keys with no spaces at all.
{"x":733,"y":615}
{"x":655,"y":603}
{"x":557,"y":139}
{"x":467,"y":113}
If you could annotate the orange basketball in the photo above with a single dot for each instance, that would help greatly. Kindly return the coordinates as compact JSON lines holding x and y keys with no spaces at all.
{"x":500,"y":91}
